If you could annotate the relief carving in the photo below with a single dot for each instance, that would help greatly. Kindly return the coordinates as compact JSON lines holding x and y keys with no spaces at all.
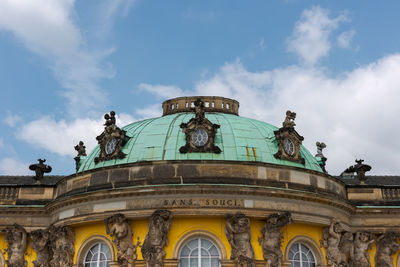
{"x":271,"y":238}
{"x":338,"y":244}
{"x":237,"y":231}
{"x":111,"y":140}
{"x":62,"y":245}
{"x":118,"y":228}
{"x":386,"y":247}
{"x":15,"y":236}
{"x":362,"y":242}
{"x":156,"y":239}
{"x":200,"y":132}
{"x":41,"y":245}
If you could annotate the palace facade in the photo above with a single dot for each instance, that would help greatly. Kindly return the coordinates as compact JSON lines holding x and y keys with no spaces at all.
{"x":200,"y":186}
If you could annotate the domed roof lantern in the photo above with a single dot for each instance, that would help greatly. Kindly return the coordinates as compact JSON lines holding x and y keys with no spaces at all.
{"x":211,"y":104}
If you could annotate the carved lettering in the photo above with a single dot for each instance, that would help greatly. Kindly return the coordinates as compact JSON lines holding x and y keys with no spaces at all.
{"x":201,"y":202}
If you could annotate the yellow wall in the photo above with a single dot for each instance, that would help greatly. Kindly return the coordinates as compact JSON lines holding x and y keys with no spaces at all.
{"x":183,"y":225}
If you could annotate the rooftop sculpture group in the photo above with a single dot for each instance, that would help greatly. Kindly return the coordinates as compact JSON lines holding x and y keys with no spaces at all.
{"x":200,"y":132}
{"x":111,"y":140}
{"x":40,"y":168}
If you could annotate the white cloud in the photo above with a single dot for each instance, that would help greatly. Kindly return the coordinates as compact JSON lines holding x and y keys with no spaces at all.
{"x":344,"y":39}
{"x":12,"y":119}
{"x":151,"y":111}
{"x":10,"y":166}
{"x":355,"y":114}
{"x":61,"y":136}
{"x":162,"y":91}
{"x":47,"y":27}
{"x":310,"y":38}
{"x":1,"y":142}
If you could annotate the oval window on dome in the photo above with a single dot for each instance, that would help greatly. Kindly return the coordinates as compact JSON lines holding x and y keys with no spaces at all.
{"x":200,"y":137}
{"x":199,"y":252}
{"x":288,"y":146}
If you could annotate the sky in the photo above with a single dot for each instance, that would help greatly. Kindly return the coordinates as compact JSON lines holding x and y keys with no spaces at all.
{"x":65,"y":63}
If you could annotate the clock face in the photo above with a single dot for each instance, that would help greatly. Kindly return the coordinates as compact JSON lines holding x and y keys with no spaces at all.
{"x":288,"y":146}
{"x":199,"y":137}
{"x":110,"y":146}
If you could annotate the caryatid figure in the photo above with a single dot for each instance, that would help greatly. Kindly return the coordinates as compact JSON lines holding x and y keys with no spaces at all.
{"x":118,"y":228}
{"x":271,"y":238}
{"x":15,"y":236}
{"x":157,"y":238}
{"x":237,"y":231}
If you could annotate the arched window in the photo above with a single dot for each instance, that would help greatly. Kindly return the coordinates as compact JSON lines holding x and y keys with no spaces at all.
{"x":301,"y":256}
{"x":99,"y":255}
{"x":199,"y":252}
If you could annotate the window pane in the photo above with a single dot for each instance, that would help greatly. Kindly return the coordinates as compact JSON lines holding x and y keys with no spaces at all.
{"x":204,"y":252}
{"x":184,"y":262}
{"x":185,"y":251}
{"x":195,"y":252}
{"x":193,"y":244}
{"x":205,"y":262}
{"x":214,"y":251}
{"x":193,"y":262}
{"x":214,"y":262}
{"x":205,"y":243}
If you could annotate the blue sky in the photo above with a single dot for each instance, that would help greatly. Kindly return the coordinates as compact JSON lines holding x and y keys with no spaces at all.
{"x":65,"y":63}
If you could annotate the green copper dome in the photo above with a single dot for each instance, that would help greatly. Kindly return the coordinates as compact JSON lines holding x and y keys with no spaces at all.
{"x":240,"y":139}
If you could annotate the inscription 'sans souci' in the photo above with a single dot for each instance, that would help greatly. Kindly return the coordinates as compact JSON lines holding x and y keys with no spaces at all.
{"x":207,"y":202}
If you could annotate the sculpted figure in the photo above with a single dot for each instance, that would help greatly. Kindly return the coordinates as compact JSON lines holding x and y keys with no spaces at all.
{"x":237,"y":231}
{"x":81,"y":149}
{"x":156,"y":239}
{"x":346,"y":248}
{"x":386,"y":246}
{"x":289,"y":120}
{"x":330,"y":241}
{"x":118,"y":228}
{"x":15,"y":236}
{"x":362,"y":243}
{"x":62,"y":244}
{"x":40,"y":168}
{"x":271,"y":238}
{"x":42,"y":247}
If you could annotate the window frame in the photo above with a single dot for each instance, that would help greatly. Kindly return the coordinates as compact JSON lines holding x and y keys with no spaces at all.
{"x":308,"y":242}
{"x":89,"y":243}
{"x":99,"y":251}
{"x":188,"y":236}
{"x":199,"y":248}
